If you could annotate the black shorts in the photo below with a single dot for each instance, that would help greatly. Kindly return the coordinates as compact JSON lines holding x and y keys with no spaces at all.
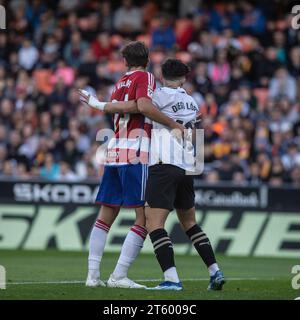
{"x":168,"y":187}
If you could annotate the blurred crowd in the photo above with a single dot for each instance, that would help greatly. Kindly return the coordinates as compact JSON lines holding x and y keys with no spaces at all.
{"x":245,"y":61}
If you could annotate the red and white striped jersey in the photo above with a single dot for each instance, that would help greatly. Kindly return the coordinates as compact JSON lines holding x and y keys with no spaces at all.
{"x":132,"y":131}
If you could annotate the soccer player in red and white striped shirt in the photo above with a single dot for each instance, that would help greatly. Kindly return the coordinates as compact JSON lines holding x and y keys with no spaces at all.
{"x":125,"y":173}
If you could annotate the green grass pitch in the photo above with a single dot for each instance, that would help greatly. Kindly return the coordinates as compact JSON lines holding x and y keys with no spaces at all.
{"x":61,"y":275}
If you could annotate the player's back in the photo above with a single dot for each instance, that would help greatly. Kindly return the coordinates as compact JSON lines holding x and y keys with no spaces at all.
{"x":176,"y":104}
{"x":165,"y":148}
{"x":134,"y":85}
{"x":126,"y":147}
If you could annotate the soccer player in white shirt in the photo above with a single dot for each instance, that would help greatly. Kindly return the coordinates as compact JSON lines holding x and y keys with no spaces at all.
{"x":168,"y":185}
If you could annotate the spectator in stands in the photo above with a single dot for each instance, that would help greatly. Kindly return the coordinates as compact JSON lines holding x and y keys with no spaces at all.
{"x":190,"y":89}
{"x":13,"y":146}
{"x":292,"y":157}
{"x":106,"y":16}
{"x":163,"y":36}
{"x":294,"y":67}
{"x":30,"y":142}
{"x":70,"y":153}
{"x":245,"y":63}
{"x":150,"y":9}
{"x":254,"y":174}
{"x":209,"y":106}
{"x":128,"y":19}
{"x":74,"y":50}
{"x":276,"y":181}
{"x":219,"y":70}
{"x":34,"y":10}
{"x":69,"y":5}
{"x":65,"y":173}
{"x":22,"y":172}
{"x":277,"y":173}
{"x":212,"y":177}
{"x":8,"y":170}
{"x":28,"y":55}
{"x":203,"y":47}
{"x":267,"y":65}
{"x":20,"y":23}
{"x":50,"y":169}
{"x":201,"y":80}
{"x":63,"y":74}
{"x":46,"y":28}
{"x":232,"y":17}
{"x":283,"y":85}
{"x":295,"y":176}
{"x":102,"y":46}
{"x":50,"y":51}
{"x":235,"y":106}
{"x":264,"y":162}
{"x":3,"y":156}
{"x":188,"y":7}
{"x":253,"y":20}
{"x":239,"y":179}
{"x":279,"y":41}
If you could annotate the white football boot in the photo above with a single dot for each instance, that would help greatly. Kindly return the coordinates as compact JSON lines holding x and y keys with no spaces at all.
{"x":94,"y":282}
{"x":123,"y":283}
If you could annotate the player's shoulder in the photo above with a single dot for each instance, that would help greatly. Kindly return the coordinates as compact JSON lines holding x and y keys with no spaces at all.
{"x":165,"y":91}
{"x":161,"y":92}
{"x":171,"y":93}
{"x":164,"y":96}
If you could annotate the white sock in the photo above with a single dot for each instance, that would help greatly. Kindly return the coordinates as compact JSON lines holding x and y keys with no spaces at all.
{"x":96,"y":248}
{"x":131,"y":248}
{"x":171,"y":275}
{"x":212,"y":269}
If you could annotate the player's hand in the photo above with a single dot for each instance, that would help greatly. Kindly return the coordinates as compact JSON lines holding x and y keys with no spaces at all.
{"x":84,"y":96}
{"x":178,"y":131}
{"x":198,"y":119}
{"x":179,"y":127}
{"x":90,"y":100}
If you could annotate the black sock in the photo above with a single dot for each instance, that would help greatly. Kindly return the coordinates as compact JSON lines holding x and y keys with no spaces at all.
{"x":202,"y":244}
{"x":163,"y":248}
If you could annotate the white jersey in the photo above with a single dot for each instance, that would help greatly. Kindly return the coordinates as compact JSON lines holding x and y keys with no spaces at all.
{"x":165,"y":148}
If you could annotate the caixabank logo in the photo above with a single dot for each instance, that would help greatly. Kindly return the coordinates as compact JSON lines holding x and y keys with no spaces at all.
{"x":67,"y":227}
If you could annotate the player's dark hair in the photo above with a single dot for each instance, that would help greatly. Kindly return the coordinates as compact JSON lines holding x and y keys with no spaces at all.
{"x":136,"y":54}
{"x":173,"y":69}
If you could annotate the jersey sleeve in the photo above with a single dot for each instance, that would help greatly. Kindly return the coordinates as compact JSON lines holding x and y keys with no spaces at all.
{"x":145,"y":86}
{"x":156,"y":99}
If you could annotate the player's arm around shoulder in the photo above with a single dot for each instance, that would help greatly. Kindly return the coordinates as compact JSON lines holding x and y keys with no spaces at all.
{"x":121,"y":107}
{"x":151,"y":110}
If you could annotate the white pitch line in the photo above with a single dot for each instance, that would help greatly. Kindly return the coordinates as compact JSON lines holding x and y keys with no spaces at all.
{"x":138,"y":280}
{"x":45,"y":282}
